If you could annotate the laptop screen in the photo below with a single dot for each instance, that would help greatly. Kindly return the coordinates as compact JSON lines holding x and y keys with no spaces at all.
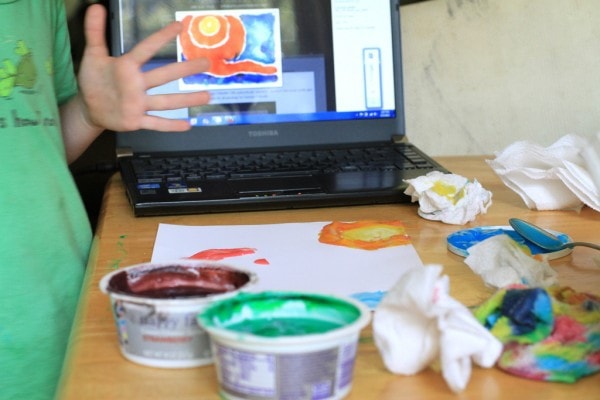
{"x":274,"y":61}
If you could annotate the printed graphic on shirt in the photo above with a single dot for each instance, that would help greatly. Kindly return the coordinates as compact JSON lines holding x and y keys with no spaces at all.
{"x":19,"y":73}
{"x":19,"y":76}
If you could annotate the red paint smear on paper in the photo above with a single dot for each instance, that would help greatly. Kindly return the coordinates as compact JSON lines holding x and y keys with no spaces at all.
{"x":220,"y":254}
{"x":261,"y":261}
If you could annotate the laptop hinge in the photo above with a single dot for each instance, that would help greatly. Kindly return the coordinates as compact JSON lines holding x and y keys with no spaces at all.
{"x":124,"y":152}
{"x":397,"y":139}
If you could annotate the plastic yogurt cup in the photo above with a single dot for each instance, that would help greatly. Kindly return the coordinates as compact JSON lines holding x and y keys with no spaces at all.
{"x":273,"y":345}
{"x":155,"y":306}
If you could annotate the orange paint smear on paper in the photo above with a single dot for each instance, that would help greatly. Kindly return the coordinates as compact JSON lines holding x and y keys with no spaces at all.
{"x":220,"y":254}
{"x":366,"y":235}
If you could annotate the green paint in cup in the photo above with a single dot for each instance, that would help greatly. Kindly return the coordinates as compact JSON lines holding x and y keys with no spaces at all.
{"x":284,"y":344}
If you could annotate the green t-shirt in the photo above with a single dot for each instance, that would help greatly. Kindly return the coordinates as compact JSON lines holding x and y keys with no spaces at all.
{"x":44,"y":231}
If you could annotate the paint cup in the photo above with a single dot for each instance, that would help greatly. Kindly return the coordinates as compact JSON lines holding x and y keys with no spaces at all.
{"x":155,"y":308}
{"x":284,"y":345}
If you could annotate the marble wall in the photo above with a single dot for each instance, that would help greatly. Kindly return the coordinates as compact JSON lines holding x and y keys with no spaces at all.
{"x":481,"y":74}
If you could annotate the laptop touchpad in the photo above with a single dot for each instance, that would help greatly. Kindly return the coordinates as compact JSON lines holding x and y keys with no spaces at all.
{"x":279,"y":185}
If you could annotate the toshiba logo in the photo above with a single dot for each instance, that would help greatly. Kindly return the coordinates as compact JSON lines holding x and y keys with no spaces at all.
{"x":261,"y":133}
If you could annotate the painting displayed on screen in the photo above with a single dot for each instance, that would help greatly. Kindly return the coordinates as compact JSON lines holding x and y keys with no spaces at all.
{"x":243,"y":47}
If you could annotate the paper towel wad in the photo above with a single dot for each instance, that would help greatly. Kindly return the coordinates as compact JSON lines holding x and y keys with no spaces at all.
{"x":418,"y":324}
{"x":449,"y":198}
{"x":501,"y":261}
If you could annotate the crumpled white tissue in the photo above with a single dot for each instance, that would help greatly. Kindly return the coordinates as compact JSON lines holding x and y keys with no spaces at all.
{"x":417,"y":324}
{"x":561,"y":176}
{"x":501,"y":261}
{"x":449,"y":198}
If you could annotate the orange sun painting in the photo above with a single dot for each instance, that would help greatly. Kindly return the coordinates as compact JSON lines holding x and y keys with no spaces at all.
{"x":240,"y":46}
{"x":366,"y":235}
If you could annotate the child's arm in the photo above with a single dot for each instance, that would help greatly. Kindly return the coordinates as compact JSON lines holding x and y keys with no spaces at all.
{"x":113,"y":89}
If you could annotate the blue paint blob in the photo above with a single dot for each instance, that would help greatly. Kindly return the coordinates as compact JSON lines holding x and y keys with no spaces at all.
{"x":370,"y":299}
{"x":460,"y":241}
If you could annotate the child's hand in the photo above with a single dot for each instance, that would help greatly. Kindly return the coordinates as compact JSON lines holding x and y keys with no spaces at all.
{"x":114,"y":88}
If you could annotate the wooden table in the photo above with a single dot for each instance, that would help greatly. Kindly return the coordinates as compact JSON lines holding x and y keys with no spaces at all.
{"x":95,"y":368}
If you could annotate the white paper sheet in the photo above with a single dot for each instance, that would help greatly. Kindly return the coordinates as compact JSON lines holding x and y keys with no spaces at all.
{"x":290,"y":257}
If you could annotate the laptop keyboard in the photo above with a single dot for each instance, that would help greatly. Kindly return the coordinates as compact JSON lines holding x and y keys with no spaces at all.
{"x":154,"y":172}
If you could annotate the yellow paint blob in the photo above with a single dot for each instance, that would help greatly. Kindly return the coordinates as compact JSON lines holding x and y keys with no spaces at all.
{"x":209,"y":25}
{"x":371,"y":233}
{"x":448,"y":191}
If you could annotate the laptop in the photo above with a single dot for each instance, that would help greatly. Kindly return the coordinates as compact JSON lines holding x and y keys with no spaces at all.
{"x":306,"y":107}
